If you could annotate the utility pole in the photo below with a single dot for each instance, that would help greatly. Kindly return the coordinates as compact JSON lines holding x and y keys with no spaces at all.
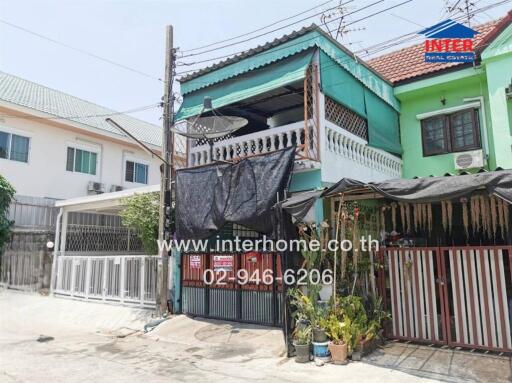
{"x":165,"y":183}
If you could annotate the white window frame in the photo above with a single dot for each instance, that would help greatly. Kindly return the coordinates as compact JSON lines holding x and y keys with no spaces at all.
{"x":87,"y":147}
{"x":18,"y":132}
{"x":138,"y":160}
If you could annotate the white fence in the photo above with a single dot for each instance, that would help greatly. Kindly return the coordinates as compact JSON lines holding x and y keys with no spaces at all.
{"x":127,"y":279}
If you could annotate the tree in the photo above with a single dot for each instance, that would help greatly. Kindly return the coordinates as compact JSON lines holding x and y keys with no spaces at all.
{"x":6,"y":196}
{"x":140,"y":212}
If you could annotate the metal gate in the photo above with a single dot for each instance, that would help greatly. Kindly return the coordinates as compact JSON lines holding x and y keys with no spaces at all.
{"x":458,"y":296}
{"x":224,"y":296}
{"x":127,"y":279}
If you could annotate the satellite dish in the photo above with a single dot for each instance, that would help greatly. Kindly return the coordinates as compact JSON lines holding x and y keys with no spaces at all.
{"x":211,"y":127}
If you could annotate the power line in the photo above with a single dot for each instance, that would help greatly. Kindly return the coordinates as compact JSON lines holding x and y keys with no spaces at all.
{"x":271,"y":31}
{"x":275,"y":50}
{"x":80,"y":50}
{"x":274,"y":30}
{"x":259,"y":29}
{"x":388,"y":43}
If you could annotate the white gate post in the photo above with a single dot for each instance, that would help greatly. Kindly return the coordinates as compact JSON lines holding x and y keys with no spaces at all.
{"x":142,"y":270}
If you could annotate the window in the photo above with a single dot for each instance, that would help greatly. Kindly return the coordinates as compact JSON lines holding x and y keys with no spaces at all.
{"x":136,"y":172}
{"x":454,"y":132}
{"x":14,"y":147}
{"x":81,"y":161}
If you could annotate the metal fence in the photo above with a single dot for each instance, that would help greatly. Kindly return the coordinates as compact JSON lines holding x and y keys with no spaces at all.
{"x":25,"y":263}
{"x":100,"y":239}
{"x":129,"y":279}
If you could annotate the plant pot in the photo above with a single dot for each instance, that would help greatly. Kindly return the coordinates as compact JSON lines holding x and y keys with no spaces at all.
{"x":321,"y":349}
{"x":319,"y":335}
{"x":338,"y":353}
{"x":356,"y":355}
{"x":302,"y":352}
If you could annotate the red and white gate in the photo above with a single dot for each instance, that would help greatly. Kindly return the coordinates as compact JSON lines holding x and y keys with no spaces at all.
{"x":458,"y":296}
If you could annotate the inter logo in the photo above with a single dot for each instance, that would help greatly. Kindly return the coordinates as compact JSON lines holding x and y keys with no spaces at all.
{"x":449,"y":41}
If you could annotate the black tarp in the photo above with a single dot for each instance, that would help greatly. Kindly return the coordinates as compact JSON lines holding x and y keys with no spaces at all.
{"x":208,"y":197}
{"x":420,"y":190}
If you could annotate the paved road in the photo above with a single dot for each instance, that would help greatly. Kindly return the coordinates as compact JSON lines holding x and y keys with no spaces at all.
{"x":102,"y":343}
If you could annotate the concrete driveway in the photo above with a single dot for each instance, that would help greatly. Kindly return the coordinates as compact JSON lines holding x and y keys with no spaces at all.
{"x":103,"y":343}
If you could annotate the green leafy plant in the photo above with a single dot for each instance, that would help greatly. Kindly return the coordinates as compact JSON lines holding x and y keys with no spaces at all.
{"x":302,"y":334}
{"x":338,"y":331}
{"x":141,"y":213}
{"x":6,"y":195}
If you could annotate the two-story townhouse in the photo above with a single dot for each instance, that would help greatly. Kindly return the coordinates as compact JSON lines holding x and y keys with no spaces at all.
{"x":455,"y":117}
{"x":55,"y":146}
{"x":304,"y":90}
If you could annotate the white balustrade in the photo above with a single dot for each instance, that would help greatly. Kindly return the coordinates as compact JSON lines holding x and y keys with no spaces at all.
{"x":252,"y":144}
{"x":340,"y":145}
{"x":345,"y":145}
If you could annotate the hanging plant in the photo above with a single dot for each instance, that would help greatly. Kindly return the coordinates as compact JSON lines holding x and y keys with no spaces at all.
{"x":343,"y":234}
{"x":505,"y":216}
{"x":501,"y":218}
{"x":465,"y":217}
{"x":494,"y":216}
{"x":383,"y":218}
{"x":355,"y":240}
{"x":449,"y":213}
{"x":402,"y":216}
{"x":475,"y":213}
{"x":444,"y":217}
{"x":393,"y":215}
{"x":424,"y":217}
{"x":486,"y":215}
{"x":429,"y":217}
{"x":408,"y":217}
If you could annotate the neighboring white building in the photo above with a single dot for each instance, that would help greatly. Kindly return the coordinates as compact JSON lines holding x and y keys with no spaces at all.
{"x":57,"y":146}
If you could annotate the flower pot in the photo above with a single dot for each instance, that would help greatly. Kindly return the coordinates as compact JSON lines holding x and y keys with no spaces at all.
{"x":319,"y":335}
{"x":338,"y":353}
{"x":321,"y":350}
{"x":302,"y":353}
{"x":356,"y":355}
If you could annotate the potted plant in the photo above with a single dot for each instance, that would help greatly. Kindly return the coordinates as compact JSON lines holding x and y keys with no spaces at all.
{"x":302,"y":342}
{"x":319,"y":322}
{"x":337,"y":331}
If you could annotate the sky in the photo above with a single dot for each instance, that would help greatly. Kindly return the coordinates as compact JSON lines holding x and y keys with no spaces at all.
{"x":132,"y":33}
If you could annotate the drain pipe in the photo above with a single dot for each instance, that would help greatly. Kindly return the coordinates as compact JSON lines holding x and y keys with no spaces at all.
{"x":56,"y":251}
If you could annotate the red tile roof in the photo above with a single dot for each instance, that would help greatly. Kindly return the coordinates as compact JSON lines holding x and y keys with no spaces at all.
{"x":408,"y":63}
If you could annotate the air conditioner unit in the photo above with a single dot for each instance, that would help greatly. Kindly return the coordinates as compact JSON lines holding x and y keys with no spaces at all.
{"x":469,"y":160}
{"x":96,"y":187}
{"x":115,"y":188}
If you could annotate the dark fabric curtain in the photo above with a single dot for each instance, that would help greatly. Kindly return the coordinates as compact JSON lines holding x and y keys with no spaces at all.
{"x":244,"y":193}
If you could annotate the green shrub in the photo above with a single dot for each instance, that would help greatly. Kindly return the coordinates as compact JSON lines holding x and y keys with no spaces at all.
{"x":6,"y":195}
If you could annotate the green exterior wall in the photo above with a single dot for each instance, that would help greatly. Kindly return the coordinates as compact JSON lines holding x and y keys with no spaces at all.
{"x":489,"y":81}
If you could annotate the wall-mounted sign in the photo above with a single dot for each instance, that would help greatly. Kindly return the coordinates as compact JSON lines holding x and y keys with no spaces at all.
{"x":449,"y":41}
{"x":195,"y":261}
{"x":252,"y":257}
{"x":223,"y":262}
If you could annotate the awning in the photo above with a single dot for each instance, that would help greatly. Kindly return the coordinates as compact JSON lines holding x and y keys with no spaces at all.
{"x":421,"y":190}
{"x":247,"y":85}
{"x":341,"y":85}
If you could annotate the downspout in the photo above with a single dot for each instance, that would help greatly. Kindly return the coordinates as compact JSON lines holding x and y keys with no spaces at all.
{"x":56,"y":250}
{"x":483,"y":126}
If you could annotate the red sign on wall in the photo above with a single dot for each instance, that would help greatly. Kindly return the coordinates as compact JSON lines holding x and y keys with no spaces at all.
{"x":195,"y":261}
{"x":223,"y":262}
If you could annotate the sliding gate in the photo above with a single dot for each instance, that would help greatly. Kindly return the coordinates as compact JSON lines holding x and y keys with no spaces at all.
{"x":458,"y":296}
{"x":225,"y":286}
